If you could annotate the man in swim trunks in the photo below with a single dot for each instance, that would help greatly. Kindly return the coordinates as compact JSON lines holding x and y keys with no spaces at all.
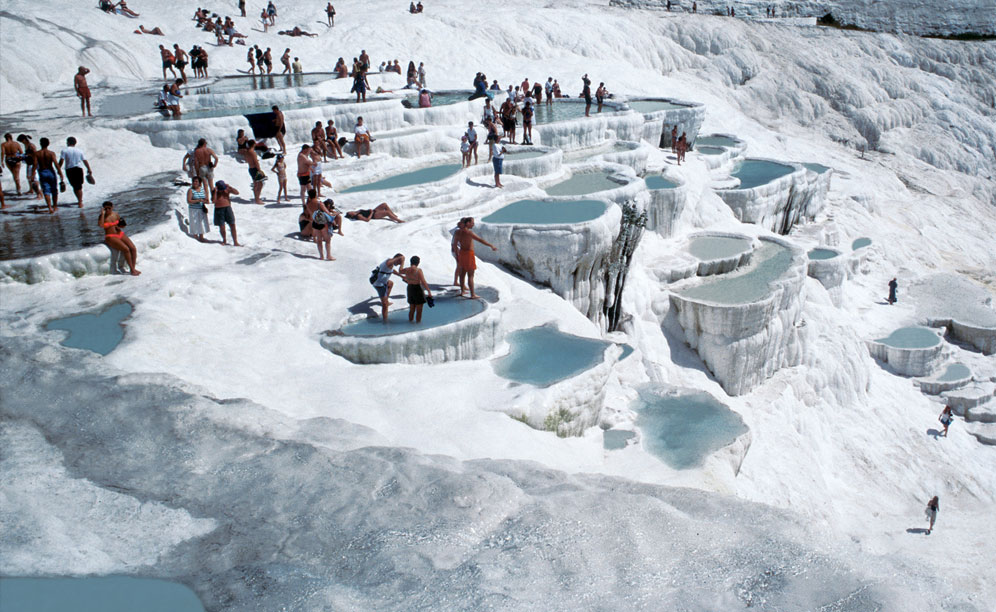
{"x":472,"y":141}
{"x":417,"y":289}
{"x":255,"y":172}
{"x":383,"y":283}
{"x":48,"y":164}
{"x":330,"y":13}
{"x":304,"y":164}
{"x":507,"y":112}
{"x":223,"y":212}
{"x":674,"y":139}
{"x":205,"y":161}
{"x":268,"y":60}
{"x":75,"y":161}
{"x":181,"y":61}
{"x":167,"y":61}
{"x":12,"y":153}
{"x":361,"y":136}
{"x":466,"y":259}
{"x":279,"y":124}
{"x":83,"y":91}
{"x":586,"y":93}
{"x":548,"y":88}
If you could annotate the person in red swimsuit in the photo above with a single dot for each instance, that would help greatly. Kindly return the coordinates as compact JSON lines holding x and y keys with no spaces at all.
{"x":114,"y":236}
{"x":82,"y":90}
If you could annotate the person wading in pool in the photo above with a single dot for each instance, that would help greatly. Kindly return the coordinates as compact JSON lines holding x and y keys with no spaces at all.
{"x":48,"y":165}
{"x":383,"y":284}
{"x":586,"y":94}
{"x":465,"y":238}
{"x":417,"y":289}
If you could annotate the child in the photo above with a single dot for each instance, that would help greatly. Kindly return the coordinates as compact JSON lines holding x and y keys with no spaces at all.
{"x":465,"y":150}
{"x":280,"y":167}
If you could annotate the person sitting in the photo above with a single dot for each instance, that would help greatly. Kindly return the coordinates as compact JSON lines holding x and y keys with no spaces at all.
{"x":361,"y":136}
{"x":556,"y":90}
{"x":304,"y":222}
{"x":424,"y":99}
{"x":123,"y":7}
{"x":381,"y":211}
{"x":396,"y":67}
{"x":162,"y":102}
{"x":143,"y":30}
{"x":296,"y":32}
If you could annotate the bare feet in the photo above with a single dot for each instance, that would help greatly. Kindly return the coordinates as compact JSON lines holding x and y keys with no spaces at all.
{"x":135,"y":272}
{"x":236,"y":243}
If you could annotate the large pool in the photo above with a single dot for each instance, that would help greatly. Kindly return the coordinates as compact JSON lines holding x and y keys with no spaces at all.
{"x":748,"y":284}
{"x":539,"y":212}
{"x":716,"y":141}
{"x":253,"y":83}
{"x":682,"y":429}
{"x":100,"y":333}
{"x":266,"y":107}
{"x":657,"y":181}
{"x":545,"y":355}
{"x":448,"y":309}
{"x":756,"y":172}
{"x":652,"y":106}
{"x":911,"y":338}
{"x":561,"y":111}
{"x":709,"y":248}
{"x":408,"y":179}
{"x":105,"y":594}
{"x":583,"y":183}
{"x":444,"y":98}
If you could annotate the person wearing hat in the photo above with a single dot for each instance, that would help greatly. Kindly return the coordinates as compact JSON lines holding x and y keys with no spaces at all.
{"x":223,"y":210}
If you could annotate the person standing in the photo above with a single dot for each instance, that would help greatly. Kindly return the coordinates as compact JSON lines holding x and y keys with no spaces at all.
{"x":548,"y":88}
{"x":74,"y":163}
{"x":30,"y":164}
{"x":321,"y":218}
{"x":472,"y":142}
{"x":455,"y":249}
{"x":197,"y":212}
{"x":421,"y":74}
{"x":223,"y":212}
{"x":466,"y":259}
{"x":251,"y":58}
{"x":933,"y":507}
{"x":168,"y":59}
{"x":268,"y":60}
{"x":497,"y":161}
{"x":280,"y":168}
{"x":383,"y":283}
{"x":83,"y":90}
{"x":417,"y":289}
{"x":279,"y":125}
{"x":242,"y":7}
{"x":527,"y":121}
{"x":600,"y":94}
{"x":586,"y":94}
{"x":304,"y":164}
{"x":946,"y":417}
{"x":180,"y":59}
{"x":255,"y":172}
{"x":330,"y":13}
{"x":285,"y":60}
{"x":47,"y":167}
{"x":507,"y":112}
{"x":205,"y":160}
{"x":893,"y":287}
{"x":12,"y":153}
{"x":674,"y":139}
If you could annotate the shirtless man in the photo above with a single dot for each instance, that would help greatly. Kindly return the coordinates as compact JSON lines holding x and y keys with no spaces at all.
{"x":330,"y":13}
{"x":268,"y":60}
{"x":82,"y":90}
{"x":31,"y":165}
{"x":586,"y":94}
{"x":255,"y":172}
{"x":251,"y":58}
{"x":674,"y":139}
{"x":180,"y":57}
{"x":465,"y":238}
{"x":285,"y":60}
{"x":205,"y":160}
{"x":11,"y":153}
{"x":48,"y":165}
{"x":223,"y":210}
{"x":418,"y":289}
{"x":332,"y":140}
{"x":304,"y":164}
{"x":278,"y":121}
{"x":167,"y":57}
{"x":364,"y":60}
{"x":318,"y":140}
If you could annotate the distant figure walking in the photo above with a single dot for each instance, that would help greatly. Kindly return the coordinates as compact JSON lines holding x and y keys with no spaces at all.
{"x":83,"y":91}
{"x":465,"y":238}
{"x":418,"y":289}
{"x":893,"y":286}
{"x":945,"y":419}
{"x":933,"y":507}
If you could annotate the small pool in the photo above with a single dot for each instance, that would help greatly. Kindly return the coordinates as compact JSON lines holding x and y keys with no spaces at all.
{"x":860,"y":243}
{"x":954,"y":371}
{"x":652,"y":106}
{"x":408,"y":179}
{"x":682,"y":429}
{"x":911,"y":338}
{"x":716,"y":141}
{"x":106,"y":594}
{"x":252,"y":83}
{"x":749,"y":284}
{"x":562,"y":111}
{"x":817,"y":168}
{"x":448,"y":309}
{"x":756,"y":172}
{"x":443,"y":98}
{"x":264,"y":107}
{"x":627,"y":350}
{"x":709,"y":248}
{"x":539,"y":212}
{"x":544,"y":355}
{"x":657,"y":181}
{"x":99,"y":333}
{"x":524,"y":155}
{"x":817,"y":254}
{"x":616,"y":439}
{"x":583,"y":183}
{"x":707,"y":150}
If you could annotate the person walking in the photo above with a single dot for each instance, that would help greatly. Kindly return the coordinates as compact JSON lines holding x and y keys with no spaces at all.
{"x":197,"y":211}
{"x":893,"y":286}
{"x":48,"y":165}
{"x":933,"y":507}
{"x":418,"y":292}
{"x":330,"y":13}
{"x":381,"y":280}
{"x":946,"y":417}
{"x":11,"y":154}
{"x":74,"y":162}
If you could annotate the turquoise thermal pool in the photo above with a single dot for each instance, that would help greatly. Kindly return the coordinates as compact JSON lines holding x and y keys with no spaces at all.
{"x":954,"y":371}
{"x":408,"y":179}
{"x":707,"y":150}
{"x":682,"y":429}
{"x":105,"y":594}
{"x":817,"y":168}
{"x":652,"y":106}
{"x":264,"y":107}
{"x":657,"y":181}
{"x":544,"y":355}
{"x":253,"y":83}
{"x":541,"y":212}
{"x":748,"y":284}
{"x":709,"y":248}
{"x":561,"y":111}
{"x":756,"y":172}
{"x":448,"y":309}
{"x":716,"y":141}
{"x":860,"y":243}
{"x":99,"y":333}
{"x":583,"y":183}
{"x":817,"y":254}
{"x":444,"y":98}
{"x":911,"y":338}
{"x":516,"y":155}
{"x":616,"y":439}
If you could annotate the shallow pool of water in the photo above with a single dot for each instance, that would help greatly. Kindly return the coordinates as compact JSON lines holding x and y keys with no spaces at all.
{"x":524,"y":155}
{"x":652,"y":106}
{"x":544,"y":355}
{"x":583,"y":183}
{"x":817,"y":254}
{"x":444,"y":98}
{"x":561,"y":111}
{"x":748,"y":284}
{"x":682,"y":429}
{"x":707,"y":150}
{"x":539,"y":212}
{"x":408,"y":179}
{"x":266,"y":107}
{"x":254,"y":83}
{"x":860,"y":243}
{"x":716,"y":141}
{"x":911,"y":338}
{"x":817,"y":168}
{"x":616,"y":439}
{"x":955,"y":371}
{"x":100,"y":333}
{"x":709,"y":248}
{"x":448,"y":309}
{"x":105,"y":594}
{"x":657,"y":181}
{"x":30,"y":231}
{"x":756,"y":172}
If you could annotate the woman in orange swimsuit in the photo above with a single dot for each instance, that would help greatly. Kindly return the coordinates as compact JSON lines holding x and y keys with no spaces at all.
{"x":114,"y":236}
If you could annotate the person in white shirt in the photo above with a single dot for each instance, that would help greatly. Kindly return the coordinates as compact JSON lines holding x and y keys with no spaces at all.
{"x":472,"y":141}
{"x":383,"y":283}
{"x":361,"y":136}
{"x":74,"y":163}
{"x":497,"y":159}
{"x":548,"y":88}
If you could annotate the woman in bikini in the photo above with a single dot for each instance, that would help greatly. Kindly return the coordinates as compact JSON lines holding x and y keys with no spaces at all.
{"x":114,"y":236}
{"x":381,"y":211}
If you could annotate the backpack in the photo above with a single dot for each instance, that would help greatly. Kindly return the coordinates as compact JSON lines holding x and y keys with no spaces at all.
{"x":374,"y":275}
{"x":320,"y":218}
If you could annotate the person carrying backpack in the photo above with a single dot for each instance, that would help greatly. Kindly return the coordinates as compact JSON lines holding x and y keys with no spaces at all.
{"x":380,"y":278}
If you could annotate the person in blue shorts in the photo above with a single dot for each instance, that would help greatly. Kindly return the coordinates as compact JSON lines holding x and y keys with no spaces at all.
{"x":48,"y":165}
